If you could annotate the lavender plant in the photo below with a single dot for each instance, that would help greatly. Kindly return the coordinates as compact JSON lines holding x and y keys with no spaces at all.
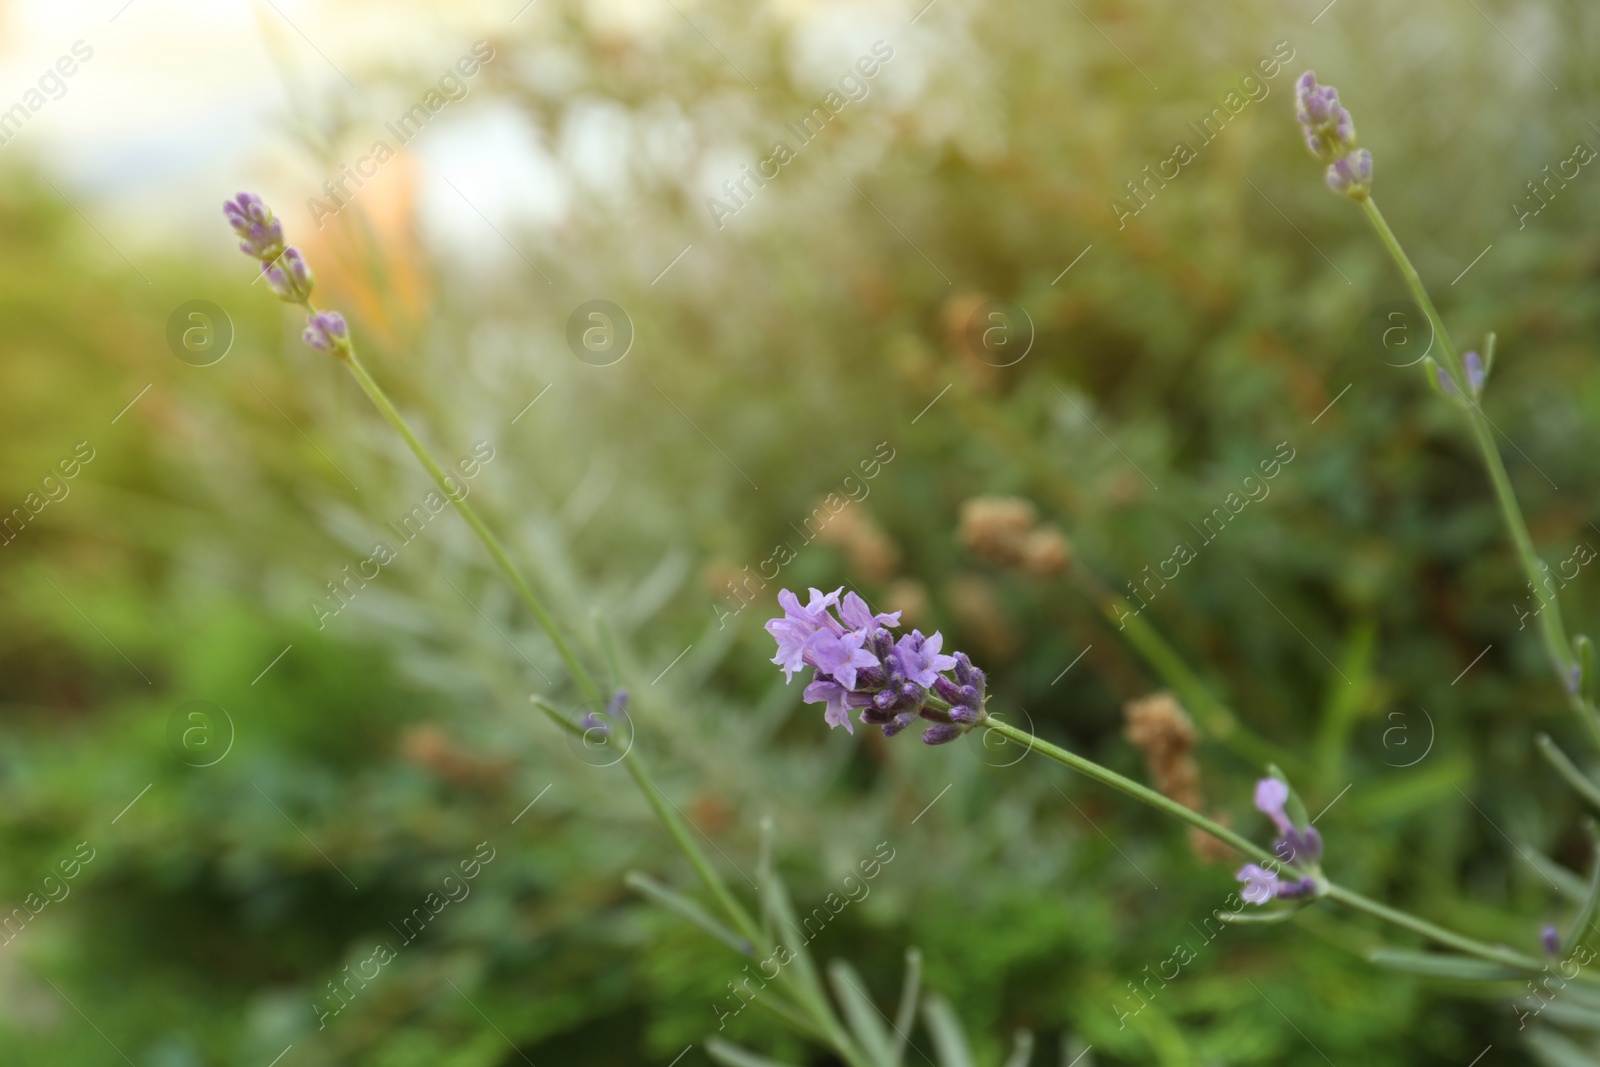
{"x":860,"y":667}
{"x":849,"y":1023}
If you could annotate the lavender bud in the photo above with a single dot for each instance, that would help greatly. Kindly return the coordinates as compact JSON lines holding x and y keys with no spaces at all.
{"x":900,"y":722}
{"x":299,"y":270}
{"x":946,"y":690}
{"x":963,"y":715}
{"x":1329,"y":131}
{"x":326,"y":332}
{"x":1351,"y":175}
{"x":1475,"y":372}
{"x":1550,"y":938}
{"x":1305,"y":887}
{"x":1447,"y":384}
{"x":940,"y":733}
{"x":252,"y":220}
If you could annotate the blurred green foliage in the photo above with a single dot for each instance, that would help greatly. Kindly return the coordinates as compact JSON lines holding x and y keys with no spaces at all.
{"x":380,"y":750}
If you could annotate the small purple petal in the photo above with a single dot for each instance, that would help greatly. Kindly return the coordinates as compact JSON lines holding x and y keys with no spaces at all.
{"x":822,"y":691}
{"x":857,"y":616}
{"x":1271,"y":796}
{"x":1260,"y":884}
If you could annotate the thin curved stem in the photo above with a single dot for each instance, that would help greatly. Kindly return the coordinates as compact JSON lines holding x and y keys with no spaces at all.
{"x":1550,"y":624}
{"x":491,"y":543}
{"x":1326,"y":889}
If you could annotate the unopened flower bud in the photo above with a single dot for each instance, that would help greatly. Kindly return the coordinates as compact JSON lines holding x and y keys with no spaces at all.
{"x":326,"y":331}
{"x":1329,"y":131}
{"x":1351,"y":175}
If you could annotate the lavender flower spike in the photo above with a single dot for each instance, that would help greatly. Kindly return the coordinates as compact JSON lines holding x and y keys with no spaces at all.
{"x":326,"y":332}
{"x":286,"y":270}
{"x":1329,"y":131}
{"x":857,"y":664}
{"x":1330,"y":135}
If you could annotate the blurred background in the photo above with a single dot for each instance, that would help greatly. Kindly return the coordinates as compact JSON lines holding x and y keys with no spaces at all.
{"x":255,"y":768}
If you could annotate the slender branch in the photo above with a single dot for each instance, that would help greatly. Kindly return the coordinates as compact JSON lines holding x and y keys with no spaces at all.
{"x":1329,"y":890}
{"x":525,"y":593}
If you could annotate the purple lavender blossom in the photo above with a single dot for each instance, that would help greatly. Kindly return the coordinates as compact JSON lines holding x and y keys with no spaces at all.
{"x":1446,"y":383}
{"x":289,"y":276}
{"x":1475,"y":373}
{"x":795,"y":628}
{"x":918,"y":658}
{"x":286,"y":270}
{"x":326,"y":332}
{"x":1271,"y":796}
{"x":1296,"y":846}
{"x":1351,"y":175}
{"x":1550,"y":939}
{"x":839,"y":656}
{"x":1329,"y":131}
{"x":858,"y":664}
{"x":1260,"y":884}
{"x":1330,"y":135}
{"x":252,"y":220}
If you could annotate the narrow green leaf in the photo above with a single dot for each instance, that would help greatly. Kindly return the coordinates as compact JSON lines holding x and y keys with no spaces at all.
{"x":687,"y":909}
{"x":733,"y":1056}
{"x":949,"y":1040}
{"x":1553,"y":1050}
{"x":1258,"y":918}
{"x":1074,"y":1053}
{"x":789,"y":933}
{"x":1587,"y":910}
{"x":1567,"y":884}
{"x":1569,"y":1014}
{"x":865,"y":1020}
{"x":555,"y":715}
{"x":764,"y":877}
{"x":1488,"y":355}
{"x":1579,"y":781}
{"x":1586,"y":666}
{"x":906,"y":1017}
{"x":1439,"y":965}
{"x":608,"y":650}
{"x":1021,"y":1051}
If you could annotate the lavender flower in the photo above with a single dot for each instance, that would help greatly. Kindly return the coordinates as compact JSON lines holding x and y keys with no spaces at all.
{"x":1330,"y":135}
{"x":1260,"y":884}
{"x":252,"y":220}
{"x":1329,"y":131}
{"x":326,"y":332}
{"x":858,"y":665}
{"x":1297,"y":846}
{"x":1351,"y":175}
{"x":285,"y":269}
{"x":1550,"y":939}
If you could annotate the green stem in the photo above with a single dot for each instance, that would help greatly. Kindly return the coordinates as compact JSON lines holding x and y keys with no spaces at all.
{"x":1483,"y":434}
{"x":525,"y":593}
{"x":1327,"y":889}
{"x":1551,"y":628}
{"x":1143,"y":793}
